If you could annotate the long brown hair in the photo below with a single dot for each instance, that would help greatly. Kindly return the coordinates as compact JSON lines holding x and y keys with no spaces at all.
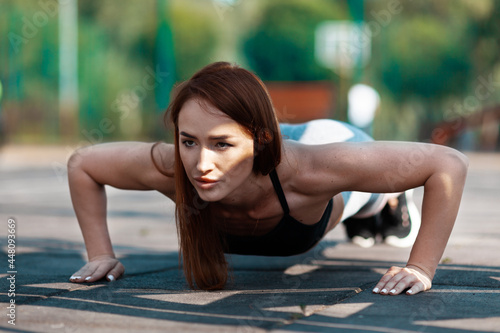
{"x":242,"y":96}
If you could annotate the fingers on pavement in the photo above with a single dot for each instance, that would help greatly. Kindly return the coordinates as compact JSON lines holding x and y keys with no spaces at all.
{"x":116,"y":272}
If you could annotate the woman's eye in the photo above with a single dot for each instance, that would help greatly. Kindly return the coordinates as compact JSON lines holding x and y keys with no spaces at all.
{"x":188,"y":143}
{"x":223,"y":145}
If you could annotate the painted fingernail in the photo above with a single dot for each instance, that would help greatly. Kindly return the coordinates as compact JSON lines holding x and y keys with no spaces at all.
{"x":88,"y":278}
{"x":111,"y":278}
{"x":393,"y":291}
{"x":384,"y":291}
{"x":74,"y":277}
{"x":376,"y":290}
{"x":409,"y":292}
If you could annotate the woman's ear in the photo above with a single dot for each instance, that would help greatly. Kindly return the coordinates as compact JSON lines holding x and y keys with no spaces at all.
{"x":262,"y":138}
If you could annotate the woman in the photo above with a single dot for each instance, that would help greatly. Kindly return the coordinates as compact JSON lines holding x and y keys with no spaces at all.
{"x":240,"y":188}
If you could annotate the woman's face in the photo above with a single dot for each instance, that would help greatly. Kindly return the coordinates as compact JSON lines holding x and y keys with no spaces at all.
{"x":216,"y":151}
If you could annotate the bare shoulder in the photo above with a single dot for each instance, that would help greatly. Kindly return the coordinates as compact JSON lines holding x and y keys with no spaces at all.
{"x":328,"y":168}
{"x":308,"y":168}
{"x":375,"y":166}
{"x":127,"y":165}
{"x":163,"y":158}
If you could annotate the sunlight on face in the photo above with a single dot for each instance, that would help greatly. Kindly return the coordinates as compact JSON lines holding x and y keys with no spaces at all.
{"x":216,"y":151}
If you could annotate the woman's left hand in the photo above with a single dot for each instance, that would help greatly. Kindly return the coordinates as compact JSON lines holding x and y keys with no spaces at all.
{"x":398,"y":279}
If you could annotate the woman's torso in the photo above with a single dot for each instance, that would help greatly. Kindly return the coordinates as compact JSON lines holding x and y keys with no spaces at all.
{"x":304,"y":205}
{"x":298,"y":179}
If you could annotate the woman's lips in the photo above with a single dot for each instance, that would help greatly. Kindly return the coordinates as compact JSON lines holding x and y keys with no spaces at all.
{"x":205,"y":183}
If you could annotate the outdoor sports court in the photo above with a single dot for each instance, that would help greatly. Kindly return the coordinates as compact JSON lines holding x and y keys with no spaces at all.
{"x":326,"y":289}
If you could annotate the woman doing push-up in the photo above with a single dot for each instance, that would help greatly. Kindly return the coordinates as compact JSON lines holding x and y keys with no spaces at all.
{"x":244,"y":184}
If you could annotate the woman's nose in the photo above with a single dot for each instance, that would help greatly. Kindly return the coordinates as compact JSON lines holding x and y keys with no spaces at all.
{"x":205,"y":161}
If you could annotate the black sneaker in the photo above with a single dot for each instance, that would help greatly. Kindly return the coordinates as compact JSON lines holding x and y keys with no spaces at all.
{"x":400,"y":225}
{"x":361,"y":231}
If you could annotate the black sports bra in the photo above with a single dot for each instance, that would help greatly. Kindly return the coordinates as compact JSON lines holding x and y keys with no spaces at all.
{"x":289,"y":237}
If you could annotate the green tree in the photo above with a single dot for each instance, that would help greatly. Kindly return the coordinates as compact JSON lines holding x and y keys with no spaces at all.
{"x":194,"y":35}
{"x":281,"y":48}
{"x":429,"y":54}
{"x":425,"y":57}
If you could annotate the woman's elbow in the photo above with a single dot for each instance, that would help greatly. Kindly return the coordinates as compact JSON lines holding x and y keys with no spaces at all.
{"x":463,"y":161}
{"x":74,"y":161}
{"x":457,"y":162}
{"x":77,"y":159}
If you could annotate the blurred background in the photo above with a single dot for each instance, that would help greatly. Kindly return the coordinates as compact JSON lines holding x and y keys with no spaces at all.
{"x":85,"y":72}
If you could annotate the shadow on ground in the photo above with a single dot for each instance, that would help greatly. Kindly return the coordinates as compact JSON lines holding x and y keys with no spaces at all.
{"x":309,"y":292}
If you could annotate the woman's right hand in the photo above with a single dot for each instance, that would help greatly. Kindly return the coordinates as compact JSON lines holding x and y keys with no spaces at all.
{"x":98,"y":268}
{"x":123,"y":165}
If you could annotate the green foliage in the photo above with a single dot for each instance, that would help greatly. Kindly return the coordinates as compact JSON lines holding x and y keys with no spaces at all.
{"x":425,"y":56}
{"x":430,"y":63}
{"x":194,"y":35}
{"x":112,"y":64}
{"x":117,"y":58}
{"x":281,"y":48}
{"x":430,"y":56}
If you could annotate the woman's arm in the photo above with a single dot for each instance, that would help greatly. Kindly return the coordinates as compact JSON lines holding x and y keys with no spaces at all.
{"x":382,"y":167}
{"x":126,"y":165}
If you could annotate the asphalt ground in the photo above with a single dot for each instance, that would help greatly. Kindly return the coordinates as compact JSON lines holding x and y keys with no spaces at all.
{"x":326,"y":289}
